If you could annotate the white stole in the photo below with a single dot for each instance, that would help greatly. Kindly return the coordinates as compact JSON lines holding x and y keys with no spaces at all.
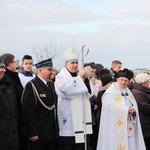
{"x":77,"y":119}
{"x":122,"y":120}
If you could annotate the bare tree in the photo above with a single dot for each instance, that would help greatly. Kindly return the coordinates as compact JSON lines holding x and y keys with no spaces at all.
{"x":45,"y":51}
{"x":18,"y":63}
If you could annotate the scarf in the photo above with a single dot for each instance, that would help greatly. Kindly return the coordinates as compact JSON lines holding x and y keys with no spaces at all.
{"x":26,"y":73}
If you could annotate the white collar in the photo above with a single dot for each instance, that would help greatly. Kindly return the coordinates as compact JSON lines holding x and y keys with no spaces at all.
{"x":45,"y":82}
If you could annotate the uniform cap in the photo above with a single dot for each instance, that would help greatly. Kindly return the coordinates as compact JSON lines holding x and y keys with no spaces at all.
{"x":1,"y":62}
{"x":44,"y":64}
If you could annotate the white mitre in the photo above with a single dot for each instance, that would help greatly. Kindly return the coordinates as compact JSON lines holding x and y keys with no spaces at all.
{"x":71,"y":54}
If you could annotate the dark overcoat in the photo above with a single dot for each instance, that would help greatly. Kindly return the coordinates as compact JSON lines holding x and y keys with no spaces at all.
{"x":18,"y":88}
{"x":37,"y":119}
{"x":142,"y":96}
{"x":8,"y":117}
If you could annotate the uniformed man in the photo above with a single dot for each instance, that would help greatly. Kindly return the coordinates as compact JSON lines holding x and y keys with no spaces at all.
{"x":39,"y":109}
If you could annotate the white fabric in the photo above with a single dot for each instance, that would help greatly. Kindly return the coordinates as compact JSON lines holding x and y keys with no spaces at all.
{"x":142,"y":77}
{"x":72,"y":99}
{"x":70,"y":54}
{"x":25,"y":79}
{"x":114,"y":123}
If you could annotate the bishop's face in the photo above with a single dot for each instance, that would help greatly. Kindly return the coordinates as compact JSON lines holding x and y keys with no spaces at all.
{"x":72,"y":66}
{"x":122,"y":82}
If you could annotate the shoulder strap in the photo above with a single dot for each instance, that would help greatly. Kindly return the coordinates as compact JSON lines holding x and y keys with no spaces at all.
{"x":36,"y":94}
{"x":33,"y":92}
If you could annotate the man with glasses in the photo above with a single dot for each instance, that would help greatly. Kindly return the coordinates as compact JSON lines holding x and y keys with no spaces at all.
{"x":12,"y":75}
{"x":119,"y":124}
{"x":8,"y":113}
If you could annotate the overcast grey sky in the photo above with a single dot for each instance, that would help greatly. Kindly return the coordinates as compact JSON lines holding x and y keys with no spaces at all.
{"x":112,"y":29}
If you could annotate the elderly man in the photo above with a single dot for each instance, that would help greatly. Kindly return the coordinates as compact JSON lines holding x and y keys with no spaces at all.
{"x":74,"y":112}
{"x":39,"y":109}
{"x":8,"y":113}
{"x":120,"y":127}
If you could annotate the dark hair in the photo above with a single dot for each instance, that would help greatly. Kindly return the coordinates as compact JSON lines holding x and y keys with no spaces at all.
{"x":7,"y":58}
{"x":131,"y":74}
{"x":97,"y":66}
{"x":26,"y":57}
{"x":106,"y":78}
{"x":100,"y":72}
{"x":89,"y":64}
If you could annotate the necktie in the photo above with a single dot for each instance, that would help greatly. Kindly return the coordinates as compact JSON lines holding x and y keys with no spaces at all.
{"x":47,"y":84}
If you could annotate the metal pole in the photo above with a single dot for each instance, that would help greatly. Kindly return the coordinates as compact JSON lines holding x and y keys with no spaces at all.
{"x":83,"y":47}
{"x":83,"y":54}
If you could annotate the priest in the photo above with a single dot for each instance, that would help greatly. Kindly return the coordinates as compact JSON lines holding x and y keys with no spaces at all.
{"x":120,"y":128}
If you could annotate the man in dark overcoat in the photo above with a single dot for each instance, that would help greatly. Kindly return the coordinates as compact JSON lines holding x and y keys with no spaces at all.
{"x":39,"y":109}
{"x":12,"y":75}
{"x":8,"y":113}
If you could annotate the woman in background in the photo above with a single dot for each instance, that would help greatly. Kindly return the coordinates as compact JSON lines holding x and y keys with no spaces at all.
{"x":141,"y":92}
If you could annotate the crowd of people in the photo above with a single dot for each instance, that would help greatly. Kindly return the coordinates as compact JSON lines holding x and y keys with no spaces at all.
{"x":92,"y":108}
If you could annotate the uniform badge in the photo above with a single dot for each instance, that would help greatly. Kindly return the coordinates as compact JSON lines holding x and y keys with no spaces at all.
{"x":42,"y":95}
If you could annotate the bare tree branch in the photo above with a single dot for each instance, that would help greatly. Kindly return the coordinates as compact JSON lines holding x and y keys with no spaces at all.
{"x":48,"y":50}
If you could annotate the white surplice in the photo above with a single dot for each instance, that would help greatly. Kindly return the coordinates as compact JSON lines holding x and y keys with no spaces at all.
{"x":118,"y":130}
{"x":72,"y":93}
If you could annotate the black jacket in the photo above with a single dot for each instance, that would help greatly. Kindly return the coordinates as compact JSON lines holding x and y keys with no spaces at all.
{"x":18,"y":89}
{"x":8,"y":117}
{"x":14,"y":79}
{"x":37,"y":119}
{"x":142,"y":96}
{"x":99,"y":102}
